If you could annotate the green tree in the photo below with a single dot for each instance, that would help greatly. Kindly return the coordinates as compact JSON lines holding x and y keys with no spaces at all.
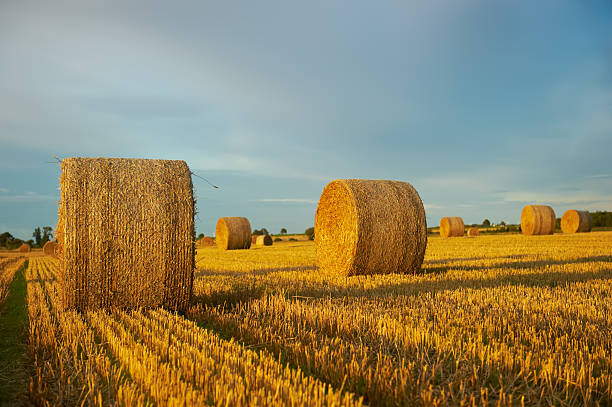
{"x":37,"y":235}
{"x":283,"y":231}
{"x":310,"y":232}
{"x":486,"y":223}
{"x":47,"y":234}
{"x":201,"y":235}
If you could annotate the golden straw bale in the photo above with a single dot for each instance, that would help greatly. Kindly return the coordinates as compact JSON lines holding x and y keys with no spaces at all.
{"x":473,"y":232}
{"x":574,"y":221}
{"x":233,"y":233}
{"x":126,"y":233}
{"x":49,"y":249}
{"x":254,"y":239}
{"x":24,"y":248}
{"x":370,"y":227}
{"x":264,"y":240}
{"x":538,"y":220}
{"x":452,"y":226}
{"x":206,"y":241}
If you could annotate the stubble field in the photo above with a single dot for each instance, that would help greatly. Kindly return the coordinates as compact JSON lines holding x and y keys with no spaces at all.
{"x":493,"y":320}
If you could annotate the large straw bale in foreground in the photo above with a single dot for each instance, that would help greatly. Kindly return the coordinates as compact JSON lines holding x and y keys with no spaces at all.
{"x":126,"y":233}
{"x":538,"y":220}
{"x":370,"y":226}
{"x":233,"y":233}
{"x":473,"y":232}
{"x":49,"y":249}
{"x":264,"y":240}
{"x":24,"y":248}
{"x":574,"y":221}
{"x":452,"y":226}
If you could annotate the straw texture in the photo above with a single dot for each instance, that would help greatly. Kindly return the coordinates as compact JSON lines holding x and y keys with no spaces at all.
{"x":126,"y":233}
{"x":206,"y":241}
{"x":49,"y":249}
{"x":24,"y":248}
{"x":254,"y":239}
{"x":538,"y":220}
{"x":473,"y":232}
{"x":233,"y":233}
{"x":574,"y":221}
{"x":370,"y":227}
{"x":264,"y":240}
{"x":451,"y":226}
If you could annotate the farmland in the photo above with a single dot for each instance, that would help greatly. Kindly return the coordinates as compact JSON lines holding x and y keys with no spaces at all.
{"x":498,"y":319}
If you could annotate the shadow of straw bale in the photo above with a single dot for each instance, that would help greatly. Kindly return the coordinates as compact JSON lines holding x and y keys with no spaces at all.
{"x":257,"y":272}
{"x":519,"y":264}
{"x":254,"y":288}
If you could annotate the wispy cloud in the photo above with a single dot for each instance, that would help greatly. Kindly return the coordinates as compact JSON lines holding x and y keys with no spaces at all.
{"x":4,"y":191}
{"x":431,"y":206}
{"x":583,"y":198}
{"x":287,"y":200}
{"x":599,"y":176}
{"x":28,"y":196}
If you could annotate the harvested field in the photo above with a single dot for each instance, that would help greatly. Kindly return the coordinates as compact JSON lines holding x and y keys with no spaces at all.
{"x":502,"y":317}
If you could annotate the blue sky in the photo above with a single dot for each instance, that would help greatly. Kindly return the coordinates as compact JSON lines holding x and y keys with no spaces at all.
{"x":484,"y":106}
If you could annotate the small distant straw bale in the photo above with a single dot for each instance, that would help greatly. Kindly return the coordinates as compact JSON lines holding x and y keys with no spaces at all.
{"x":538,"y":220}
{"x":206,"y":241}
{"x":233,"y":233}
{"x":574,"y":221}
{"x":254,"y":239}
{"x":126,"y":233}
{"x":264,"y":240}
{"x":49,"y":249}
{"x":370,"y":227}
{"x":452,"y":226}
{"x":473,"y":232}
{"x":24,"y":248}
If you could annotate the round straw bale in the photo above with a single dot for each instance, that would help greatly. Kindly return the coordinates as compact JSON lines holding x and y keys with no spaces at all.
{"x":370,"y":227}
{"x":538,"y":220}
{"x":473,"y":232}
{"x":254,"y":239}
{"x":264,"y":240}
{"x":451,"y":226}
{"x":126,"y":233}
{"x":233,"y":233}
{"x":49,"y":249}
{"x":24,"y":248}
{"x":206,"y":241}
{"x":574,"y":221}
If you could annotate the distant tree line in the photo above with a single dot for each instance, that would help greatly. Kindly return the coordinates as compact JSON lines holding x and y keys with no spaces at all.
{"x":40,"y":237}
{"x":602,"y":219}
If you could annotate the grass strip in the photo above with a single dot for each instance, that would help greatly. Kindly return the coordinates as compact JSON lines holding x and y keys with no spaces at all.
{"x":13,"y":326}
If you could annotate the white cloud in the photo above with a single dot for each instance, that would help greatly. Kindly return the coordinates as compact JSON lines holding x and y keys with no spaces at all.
{"x":432,"y":206}
{"x":28,"y":196}
{"x":4,"y":190}
{"x":288,"y":200}
{"x":559,"y":198}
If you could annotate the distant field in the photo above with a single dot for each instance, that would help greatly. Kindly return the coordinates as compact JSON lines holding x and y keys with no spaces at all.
{"x":497,"y":319}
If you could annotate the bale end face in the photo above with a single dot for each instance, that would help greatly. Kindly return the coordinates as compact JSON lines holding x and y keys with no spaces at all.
{"x":233,"y":233}
{"x":264,"y":240}
{"x":370,"y":227}
{"x":538,"y":220}
{"x":574,"y":221}
{"x":473,"y":232}
{"x":49,"y":249}
{"x":452,"y":226}
{"x":206,"y":241}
